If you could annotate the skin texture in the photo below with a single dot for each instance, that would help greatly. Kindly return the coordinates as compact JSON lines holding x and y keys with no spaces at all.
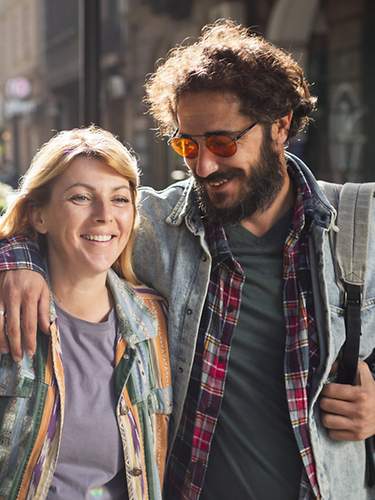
{"x":348,"y":412}
{"x":89,"y":198}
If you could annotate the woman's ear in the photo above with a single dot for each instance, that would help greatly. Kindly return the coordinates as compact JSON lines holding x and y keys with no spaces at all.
{"x":37,"y":219}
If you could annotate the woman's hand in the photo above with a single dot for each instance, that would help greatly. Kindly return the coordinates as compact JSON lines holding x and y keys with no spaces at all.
{"x":24,"y":303}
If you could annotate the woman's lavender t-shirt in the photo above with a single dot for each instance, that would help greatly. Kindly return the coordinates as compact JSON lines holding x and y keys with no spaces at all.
{"x":90,"y":463}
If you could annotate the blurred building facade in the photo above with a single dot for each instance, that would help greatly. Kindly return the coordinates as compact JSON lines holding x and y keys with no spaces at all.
{"x":22,"y":85}
{"x":39,"y":78}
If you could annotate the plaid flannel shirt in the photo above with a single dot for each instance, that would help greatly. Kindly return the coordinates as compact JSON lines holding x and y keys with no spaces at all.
{"x":189,"y":457}
{"x":23,"y":253}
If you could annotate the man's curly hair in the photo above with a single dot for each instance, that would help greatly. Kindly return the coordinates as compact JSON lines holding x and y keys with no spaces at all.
{"x":227,"y":57}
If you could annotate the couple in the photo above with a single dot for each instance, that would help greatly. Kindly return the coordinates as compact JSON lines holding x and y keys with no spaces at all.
{"x":241,"y":252}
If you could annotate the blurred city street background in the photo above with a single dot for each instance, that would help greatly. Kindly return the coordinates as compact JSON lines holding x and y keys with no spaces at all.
{"x":64,"y":63}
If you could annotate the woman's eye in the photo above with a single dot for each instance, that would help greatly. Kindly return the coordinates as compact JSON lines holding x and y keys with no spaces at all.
{"x":80,"y":198}
{"x":121,"y":200}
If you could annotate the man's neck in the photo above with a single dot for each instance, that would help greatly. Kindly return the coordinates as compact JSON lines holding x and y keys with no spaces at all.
{"x":260,"y":223}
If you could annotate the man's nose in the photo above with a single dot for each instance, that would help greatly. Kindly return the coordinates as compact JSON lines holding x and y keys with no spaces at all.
{"x":206,"y":162}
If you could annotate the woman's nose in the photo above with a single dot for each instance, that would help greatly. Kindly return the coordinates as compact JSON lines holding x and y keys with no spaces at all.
{"x":103,"y":211}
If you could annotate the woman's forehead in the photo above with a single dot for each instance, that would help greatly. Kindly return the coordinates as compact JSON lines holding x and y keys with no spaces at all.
{"x":93,"y":173}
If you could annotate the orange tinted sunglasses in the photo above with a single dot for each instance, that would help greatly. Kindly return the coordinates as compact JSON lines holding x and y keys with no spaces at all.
{"x":219,"y":143}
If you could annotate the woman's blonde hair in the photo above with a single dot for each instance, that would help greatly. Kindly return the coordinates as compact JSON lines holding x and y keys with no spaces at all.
{"x":51,"y":161}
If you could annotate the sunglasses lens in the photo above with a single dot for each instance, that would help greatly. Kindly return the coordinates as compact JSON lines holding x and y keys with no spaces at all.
{"x":221,"y":145}
{"x":184,"y":147}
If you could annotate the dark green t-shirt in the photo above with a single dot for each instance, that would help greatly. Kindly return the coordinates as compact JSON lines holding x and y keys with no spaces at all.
{"x":254,"y":454}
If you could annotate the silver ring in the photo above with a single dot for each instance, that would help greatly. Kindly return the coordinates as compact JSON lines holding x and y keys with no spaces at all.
{"x":2,"y":312}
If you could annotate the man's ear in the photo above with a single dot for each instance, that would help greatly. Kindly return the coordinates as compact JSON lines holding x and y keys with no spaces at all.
{"x":280,"y":128}
{"x":37,"y":219}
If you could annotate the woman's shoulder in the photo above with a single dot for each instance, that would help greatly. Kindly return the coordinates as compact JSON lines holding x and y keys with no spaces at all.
{"x":152,"y":299}
{"x":139,"y":292}
{"x":147,"y":293}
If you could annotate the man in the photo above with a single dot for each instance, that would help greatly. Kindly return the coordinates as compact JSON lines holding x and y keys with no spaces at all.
{"x":241,"y":251}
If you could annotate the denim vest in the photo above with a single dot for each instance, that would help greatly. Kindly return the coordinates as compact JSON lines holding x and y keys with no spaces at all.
{"x":171,"y":255}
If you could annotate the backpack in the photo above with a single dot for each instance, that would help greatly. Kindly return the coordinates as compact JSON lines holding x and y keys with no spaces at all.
{"x":353,"y":203}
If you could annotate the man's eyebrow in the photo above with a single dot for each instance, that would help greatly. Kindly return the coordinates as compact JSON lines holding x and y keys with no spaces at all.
{"x":93,"y":188}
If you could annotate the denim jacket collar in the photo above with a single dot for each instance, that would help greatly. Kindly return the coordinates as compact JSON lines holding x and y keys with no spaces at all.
{"x":186,"y":209}
{"x":323,"y":212}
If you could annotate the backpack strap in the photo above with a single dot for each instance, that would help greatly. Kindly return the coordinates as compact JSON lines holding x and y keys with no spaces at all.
{"x":354,"y":212}
{"x":353,"y":203}
{"x":353,"y":219}
{"x":354,"y":206}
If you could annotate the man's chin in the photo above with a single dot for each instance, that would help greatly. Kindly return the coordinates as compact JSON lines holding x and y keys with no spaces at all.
{"x":224,"y":214}
{"x":217,"y":208}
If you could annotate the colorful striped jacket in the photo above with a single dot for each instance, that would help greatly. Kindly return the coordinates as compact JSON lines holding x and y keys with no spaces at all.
{"x":32,"y":396}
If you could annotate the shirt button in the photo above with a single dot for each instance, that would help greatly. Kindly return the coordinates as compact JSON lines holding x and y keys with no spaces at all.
{"x":135,"y":472}
{"x":204,"y":258}
{"x":123,"y":408}
{"x":180,"y":369}
{"x":189,"y":311}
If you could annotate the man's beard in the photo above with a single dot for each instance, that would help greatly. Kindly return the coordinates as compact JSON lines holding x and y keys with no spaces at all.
{"x":259,"y":190}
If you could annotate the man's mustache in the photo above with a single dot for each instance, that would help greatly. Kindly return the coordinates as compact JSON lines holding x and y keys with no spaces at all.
{"x":219,"y":176}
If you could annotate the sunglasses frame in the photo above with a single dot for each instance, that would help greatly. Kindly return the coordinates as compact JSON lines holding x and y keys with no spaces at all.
{"x":233,"y":138}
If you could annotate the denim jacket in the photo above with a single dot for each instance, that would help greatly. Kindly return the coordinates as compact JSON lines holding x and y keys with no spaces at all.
{"x":172,"y":256}
{"x":32,"y":397}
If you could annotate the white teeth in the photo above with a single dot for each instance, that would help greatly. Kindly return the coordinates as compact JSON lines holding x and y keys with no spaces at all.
{"x":218,"y":183}
{"x":97,"y":237}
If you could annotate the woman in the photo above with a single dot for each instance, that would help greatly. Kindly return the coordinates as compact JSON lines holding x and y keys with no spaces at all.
{"x":87,"y":416}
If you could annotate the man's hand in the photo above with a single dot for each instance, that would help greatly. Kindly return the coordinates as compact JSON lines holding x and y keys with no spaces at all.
{"x":24,"y":300}
{"x":348,"y":412}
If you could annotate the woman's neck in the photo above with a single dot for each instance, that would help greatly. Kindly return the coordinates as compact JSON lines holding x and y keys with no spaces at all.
{"x":84,"y":297}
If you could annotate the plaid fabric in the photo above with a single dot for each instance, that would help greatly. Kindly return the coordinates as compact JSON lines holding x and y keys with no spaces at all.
{"x":20,"y":252}
{"x":301,"y":346}
{"x":189,"y":457}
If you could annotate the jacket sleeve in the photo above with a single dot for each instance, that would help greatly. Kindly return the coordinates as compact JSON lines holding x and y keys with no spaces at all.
{"x":371,"y":362}
{"x":20,"y":252}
